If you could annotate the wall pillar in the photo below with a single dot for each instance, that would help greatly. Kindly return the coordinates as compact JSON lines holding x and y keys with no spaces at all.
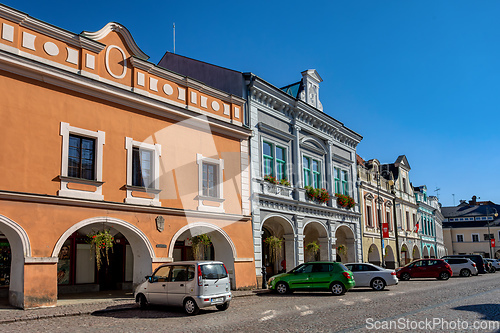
{"x":40,"y":283}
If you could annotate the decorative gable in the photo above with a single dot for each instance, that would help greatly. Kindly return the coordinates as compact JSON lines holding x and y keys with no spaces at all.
{"x":311,"y":81}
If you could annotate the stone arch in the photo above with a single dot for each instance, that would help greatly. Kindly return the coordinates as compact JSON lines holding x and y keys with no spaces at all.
{"x":344,"y":236}
{"x":281,"y":227}
{"x":432,"y":253}
{"x":425,"y":252}
{"x":390,"y":261}
{"x":223,"y":245}
{"x":374,"y":254}
{"x":142,"y":249}
{"x":405,"y":254}
{"x":314,"y":142}
{"x":318,"y":232}
{"x":20,"y":252}
{"x":415,"y":252}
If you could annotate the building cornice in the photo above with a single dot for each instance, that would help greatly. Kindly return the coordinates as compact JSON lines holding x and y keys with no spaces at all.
{"x":303,"y":114}
{"x":118,"y":206}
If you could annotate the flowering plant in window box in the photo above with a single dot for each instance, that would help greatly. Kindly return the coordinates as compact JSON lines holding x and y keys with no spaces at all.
{"x":345,"y":201}
{"x":284,"y":182}
{"x":271,"y":179}
{"x":319,"y":194}
{"x":101,"y":242}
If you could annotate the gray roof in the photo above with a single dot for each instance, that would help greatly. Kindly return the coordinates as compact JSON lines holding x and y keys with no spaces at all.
{"x":470,"y":211}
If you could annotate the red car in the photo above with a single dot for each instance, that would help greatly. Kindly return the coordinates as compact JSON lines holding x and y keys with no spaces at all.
{"x":425,"y":268}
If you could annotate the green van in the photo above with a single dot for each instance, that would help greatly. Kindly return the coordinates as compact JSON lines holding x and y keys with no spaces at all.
{"x":314,"y":276}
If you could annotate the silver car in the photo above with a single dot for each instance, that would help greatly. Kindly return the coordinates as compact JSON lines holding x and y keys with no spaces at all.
{"x":495,"y":263}
{"x":462,"y":266}
{"x":191,"y":284}
{"x":369,"y":275}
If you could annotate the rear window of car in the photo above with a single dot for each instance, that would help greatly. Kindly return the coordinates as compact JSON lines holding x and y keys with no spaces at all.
{"x":339,"y":267}
{"x":213,"y":271}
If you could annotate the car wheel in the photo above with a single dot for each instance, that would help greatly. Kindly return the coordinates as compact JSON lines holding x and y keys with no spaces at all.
{"x":465,"y":272}
{"x":493,"y":270}
{"x":143,"y":302}
{"x":222,"y":307}
{"x":444,"y":276}
{"x":405,"y":276}
{"x":337,"y":289}
{"x":190,"y":307}
{"x":282,"y":288}
{"x":377,"y":284}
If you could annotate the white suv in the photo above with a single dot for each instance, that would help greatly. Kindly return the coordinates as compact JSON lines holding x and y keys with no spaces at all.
{"x":495,"y":263}
{"x":462,"y":266}
{"x":191,"y":284}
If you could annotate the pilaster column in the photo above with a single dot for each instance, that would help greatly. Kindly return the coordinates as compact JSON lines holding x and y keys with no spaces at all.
{"x":329,"y":171}
{"x":296,"y":156}
{"x":299,"y":240}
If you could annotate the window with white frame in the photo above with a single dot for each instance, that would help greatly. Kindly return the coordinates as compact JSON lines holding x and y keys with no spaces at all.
{"x":460,"y":238}
{"x":475,"y":237}
{"x":369,"y":219}
{"x":143,"y":172}
{"x":210,"y":183}
{"x":341,"y":180}
{"x":389,"y":220}
{"x":312,"y":171}
{"x":274,"y":160}
{"x":81,"y":162}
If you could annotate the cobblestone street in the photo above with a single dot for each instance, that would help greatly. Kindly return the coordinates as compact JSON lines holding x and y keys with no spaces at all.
{"x":459,"y":304}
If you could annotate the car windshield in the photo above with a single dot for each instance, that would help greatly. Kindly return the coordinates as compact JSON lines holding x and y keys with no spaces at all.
{"x":213,"y":271}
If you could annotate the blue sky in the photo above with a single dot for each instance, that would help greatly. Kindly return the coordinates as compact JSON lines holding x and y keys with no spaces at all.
{"x":419,"y":78}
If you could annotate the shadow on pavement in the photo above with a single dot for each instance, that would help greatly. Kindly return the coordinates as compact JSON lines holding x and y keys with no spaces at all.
{"x":489,"y":311}
{"x":152,"y":312}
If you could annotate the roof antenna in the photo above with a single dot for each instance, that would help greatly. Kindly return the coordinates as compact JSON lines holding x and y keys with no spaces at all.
{"x":174,"y":37}
{"x":437,"y":192}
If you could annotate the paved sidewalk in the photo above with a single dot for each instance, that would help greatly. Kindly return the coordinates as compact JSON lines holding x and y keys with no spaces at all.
{"x":78,"y":304}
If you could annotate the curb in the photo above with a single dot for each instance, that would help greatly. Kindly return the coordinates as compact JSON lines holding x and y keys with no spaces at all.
{"x":122,"y":307}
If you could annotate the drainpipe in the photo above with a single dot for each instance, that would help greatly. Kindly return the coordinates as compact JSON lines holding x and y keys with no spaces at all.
{"x":361,"y":222}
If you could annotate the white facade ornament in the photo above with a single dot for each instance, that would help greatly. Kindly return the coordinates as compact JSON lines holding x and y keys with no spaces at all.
{"x":124,"y":72}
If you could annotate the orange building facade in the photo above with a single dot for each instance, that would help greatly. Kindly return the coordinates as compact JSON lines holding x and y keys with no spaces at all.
{"x":95,"y":138}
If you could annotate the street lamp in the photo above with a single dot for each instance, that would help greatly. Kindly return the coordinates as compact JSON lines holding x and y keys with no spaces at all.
{"x":489,"y":234}
{"x":379,"y":215}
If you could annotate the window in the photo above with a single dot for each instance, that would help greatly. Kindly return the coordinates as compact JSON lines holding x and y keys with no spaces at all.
{"x":404,"y":185}
{"x":475,"y":237}
{"x":210,"y":183}
{"x":210,"y":180}
{"x":274,"y":160}
{"x":143,"y":172}
{"x":369,"y":220}
{"x":81,"y":162}
{"x":407,"y":221}
{"x":268,"y":159}
{"x":336,"y":178}
{"x":379,"y":216}
{"x":341,"y":179}
{"x":316,"y":175}
{"x":388,"y":218}
{"x":488,"y":237}
{"x":415,"y":222}
{"x":460,"y":238}
{"x":345,"y":183}
{"x":142,"y":167}
{"x":306,"y":165}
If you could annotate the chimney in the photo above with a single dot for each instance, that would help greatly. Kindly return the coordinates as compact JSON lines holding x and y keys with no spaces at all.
{"x":473,"y":202}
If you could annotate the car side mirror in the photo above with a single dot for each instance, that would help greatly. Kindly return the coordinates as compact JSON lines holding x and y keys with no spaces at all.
{"x":149,"y":278}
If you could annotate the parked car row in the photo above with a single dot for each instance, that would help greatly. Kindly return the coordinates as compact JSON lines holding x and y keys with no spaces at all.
{"x":199,"y":284}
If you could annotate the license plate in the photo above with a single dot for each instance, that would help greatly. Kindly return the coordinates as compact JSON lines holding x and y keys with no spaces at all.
{"x":218,"y":300}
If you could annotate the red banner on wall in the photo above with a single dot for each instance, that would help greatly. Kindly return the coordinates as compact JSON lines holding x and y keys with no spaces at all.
{"x":492,"y":242}
{"x":385,"y":230}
